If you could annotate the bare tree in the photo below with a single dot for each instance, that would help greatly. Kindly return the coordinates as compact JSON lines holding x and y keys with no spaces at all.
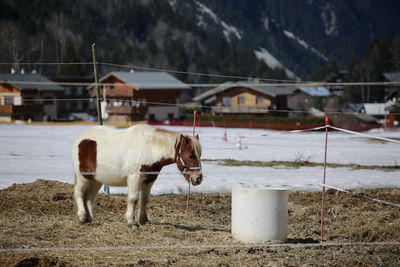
{"x":18,"y":45}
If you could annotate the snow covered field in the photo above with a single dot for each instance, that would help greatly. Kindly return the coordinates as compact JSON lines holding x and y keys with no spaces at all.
{"x":30,"y":152}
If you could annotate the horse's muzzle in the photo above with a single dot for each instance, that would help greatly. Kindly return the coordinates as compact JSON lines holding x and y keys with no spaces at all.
{"x":196,"y":179}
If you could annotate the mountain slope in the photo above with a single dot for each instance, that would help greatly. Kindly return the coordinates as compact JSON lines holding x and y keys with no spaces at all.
{"x":141,"y":33}
{"x":271,"y":39}
{"x":304,"y":34}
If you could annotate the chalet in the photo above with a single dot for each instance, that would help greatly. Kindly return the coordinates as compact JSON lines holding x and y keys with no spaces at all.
{"x":28,"y":97}
{"x":132,"y":96}
{"x":311,"y":100}
{"x":244,"y":98}
{"x":392,"y":93}
{"x":76,"y":104}
{"x":336,"y":77}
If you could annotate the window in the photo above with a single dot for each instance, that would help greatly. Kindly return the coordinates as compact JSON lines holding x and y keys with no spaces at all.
{"x":240,"y":100}
{"x":85,"y":105}
{"x":73,"y":91}
{"x":259,"y":100}
{"x":79,"y":106}
{"x":73,"y":106}
{"x":152,"y":117}
{"x":8,"y":100}
{"x":226,"y":101}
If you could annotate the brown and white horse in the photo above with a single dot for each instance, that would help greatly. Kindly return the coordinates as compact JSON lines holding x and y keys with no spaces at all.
{"x":130,"y":157}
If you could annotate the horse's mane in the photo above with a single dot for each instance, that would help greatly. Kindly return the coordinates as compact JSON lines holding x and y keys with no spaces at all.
{"x":169,"y":139}
{"x":164,"y":138}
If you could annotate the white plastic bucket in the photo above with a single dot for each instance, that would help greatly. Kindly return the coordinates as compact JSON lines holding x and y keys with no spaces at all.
{"x":259,"y":214}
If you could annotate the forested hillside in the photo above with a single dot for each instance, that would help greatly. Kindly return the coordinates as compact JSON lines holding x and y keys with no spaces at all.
{"x":270,"y":39}
{"x":141,"y":33}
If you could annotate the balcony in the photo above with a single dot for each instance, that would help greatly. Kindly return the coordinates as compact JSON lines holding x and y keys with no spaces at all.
{"x":121,"y":109}
{"x":240,"y":110}
{"x":28,"y":108}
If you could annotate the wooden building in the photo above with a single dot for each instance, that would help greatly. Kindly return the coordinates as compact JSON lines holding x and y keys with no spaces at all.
{"x":77,"y":103}
{"x":132,"y":96}
{"x":244,"y":98}
{"x":311,"y":100}
{"x":28,"y":97}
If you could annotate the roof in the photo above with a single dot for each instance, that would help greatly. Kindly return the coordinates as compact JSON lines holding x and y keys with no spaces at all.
{"x":30,"y":81}
{"x":146,"y":80}
{"x":392,"y":76}
{"x":315,"y":91}
{"x":259,"y":87}
{"x":357,"y":107}
{"x":365,"y":117}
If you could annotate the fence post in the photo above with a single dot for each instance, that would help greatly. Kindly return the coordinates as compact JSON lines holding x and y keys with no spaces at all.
{"x":194,"y":133}
{"x":327,"y":126}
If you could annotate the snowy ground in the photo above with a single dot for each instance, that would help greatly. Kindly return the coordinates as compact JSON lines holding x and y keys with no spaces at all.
{"x":29,"y":152}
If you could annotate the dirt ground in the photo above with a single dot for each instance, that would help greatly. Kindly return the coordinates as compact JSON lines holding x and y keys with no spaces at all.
{"x":42,"y":215}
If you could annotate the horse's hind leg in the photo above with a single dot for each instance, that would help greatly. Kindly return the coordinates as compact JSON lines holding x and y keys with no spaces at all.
{"x":143,"y":200}
{"x":81,"y":186}
{"x":133,"y":198}
{"x":90,"y":195}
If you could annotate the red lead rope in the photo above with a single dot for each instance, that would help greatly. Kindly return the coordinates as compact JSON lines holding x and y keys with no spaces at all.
{"x":194,"y":132}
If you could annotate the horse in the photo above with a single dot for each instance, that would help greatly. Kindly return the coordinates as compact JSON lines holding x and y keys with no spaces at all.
{"x":131,"y":157}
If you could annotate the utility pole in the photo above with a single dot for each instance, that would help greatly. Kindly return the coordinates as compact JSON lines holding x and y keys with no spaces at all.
{"x":98,"y":103}
{"x":96,"y":80}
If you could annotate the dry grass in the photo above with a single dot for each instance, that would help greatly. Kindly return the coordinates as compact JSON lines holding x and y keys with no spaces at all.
{"x":298,"y":164}
{"x":41,"y":215}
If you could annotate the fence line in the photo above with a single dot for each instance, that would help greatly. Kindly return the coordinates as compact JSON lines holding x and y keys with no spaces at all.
{"x":297,"y":84}
{"x":133,"y":101}
{"x":362,"y":196}
{"x":289,"y":82}
{"x":47,"y":63}
{"x":365,"y":135}
{"x":210,"y":246}
{"x":298,"y":131}
{"x":263,"y":135}
{"x":194,"y":73}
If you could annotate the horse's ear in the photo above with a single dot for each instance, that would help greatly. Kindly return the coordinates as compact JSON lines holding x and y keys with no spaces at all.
{"x":184,"y":139}
{"x":197,"y":137}
{"x":187,"y":140}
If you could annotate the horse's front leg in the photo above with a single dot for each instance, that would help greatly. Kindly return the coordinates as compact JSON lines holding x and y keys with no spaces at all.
{"x":143,"y":200}
{"x":134,"y":182}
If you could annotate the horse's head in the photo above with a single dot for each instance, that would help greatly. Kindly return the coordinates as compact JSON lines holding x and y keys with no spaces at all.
{"x":187,"y":158}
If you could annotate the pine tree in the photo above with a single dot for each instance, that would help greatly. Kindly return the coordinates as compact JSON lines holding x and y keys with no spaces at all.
{"x":70,"y":56}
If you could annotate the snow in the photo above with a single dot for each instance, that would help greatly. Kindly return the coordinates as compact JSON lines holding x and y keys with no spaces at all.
{"x":31,"y":152}
{"x":227,"y":29}
{"x":304,"y":44}
{"x":264,"y":55}
{"x":266,"y":23}
{"x":173,"y":4}
{"x":329,"y":19}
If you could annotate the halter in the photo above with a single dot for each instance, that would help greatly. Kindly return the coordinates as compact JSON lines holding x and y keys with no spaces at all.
{"x":186,"y":167}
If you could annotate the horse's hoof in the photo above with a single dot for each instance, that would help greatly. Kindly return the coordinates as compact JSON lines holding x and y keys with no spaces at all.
{"x":133,"y":225}
{"x":84,"y":219}
{"x":143,"y":220}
